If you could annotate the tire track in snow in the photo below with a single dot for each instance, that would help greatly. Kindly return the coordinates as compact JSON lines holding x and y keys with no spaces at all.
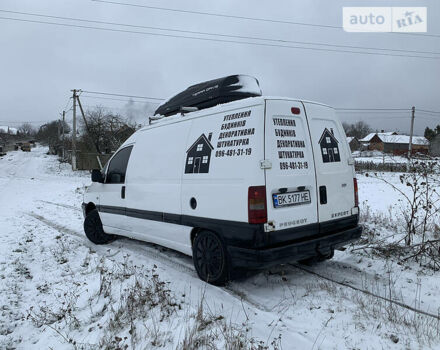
{"x":155,"y":254}
{"x":55,"y":225}
{"x":364,"y":291}
{"x":132,"y":245}
{"x":242,"y":296}
{"x":61,"y":205}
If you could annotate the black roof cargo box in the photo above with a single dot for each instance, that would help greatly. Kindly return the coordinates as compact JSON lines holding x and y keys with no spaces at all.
{"x":212,"y":93}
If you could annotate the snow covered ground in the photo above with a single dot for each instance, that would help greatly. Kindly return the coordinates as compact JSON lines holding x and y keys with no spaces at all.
{"x":59,"y":291}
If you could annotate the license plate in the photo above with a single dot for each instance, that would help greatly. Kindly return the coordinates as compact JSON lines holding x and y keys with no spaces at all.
{"x":291,"y":198}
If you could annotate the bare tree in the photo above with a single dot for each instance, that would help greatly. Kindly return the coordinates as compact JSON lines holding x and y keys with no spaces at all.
{"x":26,"y":129}
{"x":104,"y":131}
{"x":49,"y":133}
{"x":359,"y":129}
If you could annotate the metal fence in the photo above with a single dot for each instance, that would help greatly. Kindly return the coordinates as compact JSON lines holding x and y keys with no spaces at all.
{"x":372,"y":166}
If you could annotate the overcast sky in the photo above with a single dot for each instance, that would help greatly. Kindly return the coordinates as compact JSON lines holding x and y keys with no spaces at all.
{"x":41,"y":63}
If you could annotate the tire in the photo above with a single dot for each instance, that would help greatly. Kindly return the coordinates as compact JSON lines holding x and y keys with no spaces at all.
{"x":93,"y":229}
{"x":210,"y":258}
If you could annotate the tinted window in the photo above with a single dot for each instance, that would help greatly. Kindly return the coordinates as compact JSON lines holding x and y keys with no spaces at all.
{"x":118,"y":166}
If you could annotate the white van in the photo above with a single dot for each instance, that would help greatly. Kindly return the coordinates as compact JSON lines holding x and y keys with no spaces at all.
{"x":246,"y":184}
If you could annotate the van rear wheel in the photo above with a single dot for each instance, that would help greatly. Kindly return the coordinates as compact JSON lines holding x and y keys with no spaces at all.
{"x":93,"y":229}
{"x":210,"y":258}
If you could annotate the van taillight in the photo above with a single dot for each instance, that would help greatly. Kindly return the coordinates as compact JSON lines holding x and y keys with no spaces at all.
{"x":295,"y":110}
{"x":257,"y":211}
{"x":356,"y":196}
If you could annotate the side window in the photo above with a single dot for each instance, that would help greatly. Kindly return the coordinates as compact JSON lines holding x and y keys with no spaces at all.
{"x":118,"y":166}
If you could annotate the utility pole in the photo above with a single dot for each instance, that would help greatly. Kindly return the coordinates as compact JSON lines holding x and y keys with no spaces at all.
{"x":62,"y":128}
{"x":74,"y":132}
{"x":413,"y":112}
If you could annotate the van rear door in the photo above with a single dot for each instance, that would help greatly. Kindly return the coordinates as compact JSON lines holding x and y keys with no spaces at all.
{"x":333,"y":163}
{"x":290,"y":180}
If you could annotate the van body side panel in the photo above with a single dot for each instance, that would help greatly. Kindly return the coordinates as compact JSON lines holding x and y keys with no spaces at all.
{"x":334,"y":174}
{"x":223,"y":154}
{"x":154,"y":186}
{"x":290,"y":182}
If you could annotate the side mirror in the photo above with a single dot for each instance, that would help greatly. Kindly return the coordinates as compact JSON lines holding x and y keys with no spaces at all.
{"x":97,"y":176}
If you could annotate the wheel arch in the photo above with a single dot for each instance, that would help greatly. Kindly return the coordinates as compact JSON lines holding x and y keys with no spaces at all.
{"x":197,"y":230}
{"x":194,"y":233}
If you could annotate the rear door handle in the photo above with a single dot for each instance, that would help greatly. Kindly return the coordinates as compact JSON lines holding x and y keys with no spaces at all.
{"x":123,"y":192}
{"x":322,"y":195}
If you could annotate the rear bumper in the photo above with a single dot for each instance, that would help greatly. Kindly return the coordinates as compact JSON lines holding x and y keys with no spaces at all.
{"x":264,"y":258}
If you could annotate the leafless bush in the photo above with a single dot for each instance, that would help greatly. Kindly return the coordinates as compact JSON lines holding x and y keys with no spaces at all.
{"x":421,"y":206}
{"x":372,"y":311}
{"x":206,"y":330}
{"x":64,"y":311}
{"x":420,"y":211}
{"x":142,"y":298}
{"x":60,"y":251}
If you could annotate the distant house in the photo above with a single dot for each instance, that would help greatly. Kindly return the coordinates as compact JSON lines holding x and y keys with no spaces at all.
{"x":8,"y":130}
{"x":399,"y":144}
{"x":354,"y":143}
{"x":373,"y":141}
{"x":396,"y":144}
{"x":329,"y":147}
{"x":199,"y":155}
{"x":434,"y":149}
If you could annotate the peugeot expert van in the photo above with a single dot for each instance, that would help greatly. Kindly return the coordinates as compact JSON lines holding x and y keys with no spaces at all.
{"x":232,"y":178}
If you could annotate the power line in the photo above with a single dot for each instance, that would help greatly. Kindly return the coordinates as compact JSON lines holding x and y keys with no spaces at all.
{"x":219,"y":34}
{"x":328,"y":26}
{"x":388,"y":117}
{"x":373,"y":109}
{"x":427,"y":111}
{"x":67,"y":104}
{"x":118,"y":99}
{"x":373,"y":114}
{"x":429,"y":115}
{"x":106,"y":107}
{"x":215,"y":40}
{"x":218,"y":14}
{"x":121,"y":95}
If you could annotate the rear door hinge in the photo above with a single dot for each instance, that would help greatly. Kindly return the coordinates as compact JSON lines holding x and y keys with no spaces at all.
{"x":269,"y":227}
{"x":265,"y":164}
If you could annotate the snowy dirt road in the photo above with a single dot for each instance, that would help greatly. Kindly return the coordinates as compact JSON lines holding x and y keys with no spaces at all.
{"x":60,"y":291}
